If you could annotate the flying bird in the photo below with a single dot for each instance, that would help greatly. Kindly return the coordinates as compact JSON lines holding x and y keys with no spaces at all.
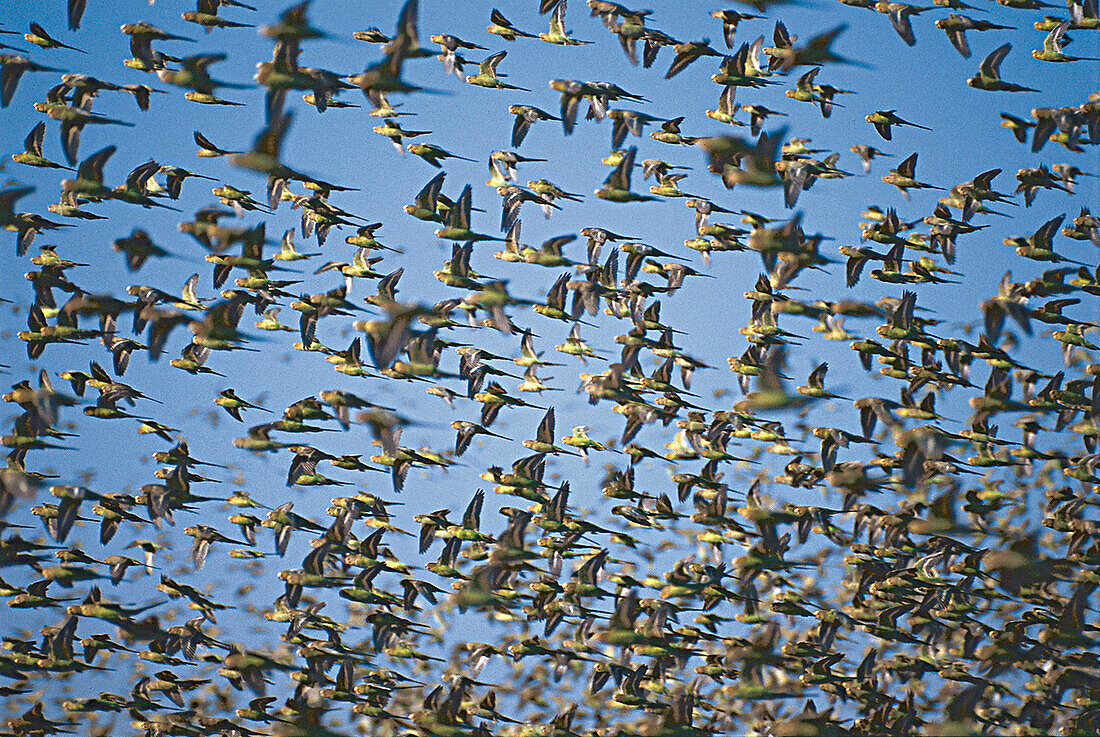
{"x":956,"y":26}
{"x":904,"y":176}
{"x":616,"y":187}
{"x":884,"y":119}
{"x":900,"y":14}
{"x":989,"y":74}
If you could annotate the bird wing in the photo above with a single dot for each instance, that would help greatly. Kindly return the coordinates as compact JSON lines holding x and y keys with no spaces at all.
{"x":908,"y":168}
{"x":428,"y":197}
{"x":900,"y":21}
{"x":488,"y":67}
{"x":620,"y":177}
{"x":991,"y":66}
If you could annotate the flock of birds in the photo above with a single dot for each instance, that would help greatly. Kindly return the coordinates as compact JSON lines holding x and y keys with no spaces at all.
{"x":754,"y":572}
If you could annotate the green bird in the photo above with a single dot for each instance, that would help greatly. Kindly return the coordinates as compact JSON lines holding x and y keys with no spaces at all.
{"x":579,"y":439}
{"x":32,"y":597}
{"x":899,"y":14}
{"x":532,"y":383}
{"x":727,"y":108}
{"x":628,"y":121}
{"x":989,"y":74}
{"x":192,"y":359}
{"x":39,"y":37}
{"x":1040,"y":246}
{"x":903,"y":177}
{"x":743,"y":69}
{"x":815,"y":387}
{"x":303,"y":469}
{"x":208,"y":149}
{"x":457,"y":224}
{"x":206,"y":15}
{"x":574,"y":345}
{"x":239,"y":199}
{"x":730,"y":20}
{"x":193,"y":75}
{"x":32,"y":150}
{"x":526,"y":116}
{"x":956,"y":26}
{"x":902,"y":325}
{"x":232,"y":404}
{"x":514,"y":251}
{"x":257,"y":440}
{"x":364,"y":238}
{"x":867,"y":154}
{"x":433,"y":154}
{"x":1052,"y":46}
{"x":142,"y":35}
{"x":88,"y":184}
{"x":383,"y":77}
{"x":451,"y":45}
{"x":784,"y":56}
{"x":1083,"y":17}
{"x":557,"y":33}
{"x":555,"y":301}
{"x":73,"y":120}
{"x":106,"y":409}
{"x":288,"y":252}
{"x":426,"y":206}
{"x":670,"y":133}
{"x":456,"y":271}
{"x":549,"y":254}
{"x":757,"y":115}
{"x":741,"y":162}
{"x":687,"y":54}
{"x":820,"y":94}
{"x":283,"y":73}
{"x":283,"y":521}
{"x":616,"y":187}
{"x":883,"y":119}
{"x":501,"y":26}
{"x":973,"y":193}
{"x":1032,"y":179}
{"x":487,"y":74}
{"x":12,"y":68}
{"x":136,"y":190}
{"x":393,"y":131}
